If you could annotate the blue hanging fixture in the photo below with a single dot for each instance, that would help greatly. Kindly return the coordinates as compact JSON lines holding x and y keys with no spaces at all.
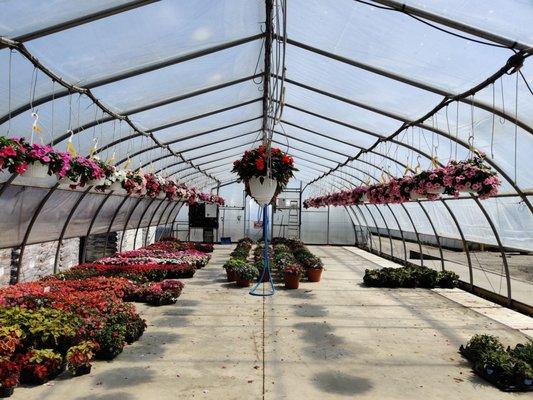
{"x":255,"y":291}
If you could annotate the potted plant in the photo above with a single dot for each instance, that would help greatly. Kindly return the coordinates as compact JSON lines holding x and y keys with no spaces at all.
{"x":12,"y":156}
{"x":314,"y":273}
{"x":134,"y":183}
{"x":154,"y":186}
{"x":265,"y":172}
{"x":79,"y":358}
{"x":39,"y":366}
{"x":245,"y":274}
{"x":85,"y":171}
{"x":231,"y":265}
{"x":9,"y":377}
{"x":292,"y":274}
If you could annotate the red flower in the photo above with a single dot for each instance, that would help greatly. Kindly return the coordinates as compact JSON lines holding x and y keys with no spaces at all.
{"x":261,"y":149}
{"x":21,"y":168}
{"x":260,"y":164}
{"x":287,"y":160}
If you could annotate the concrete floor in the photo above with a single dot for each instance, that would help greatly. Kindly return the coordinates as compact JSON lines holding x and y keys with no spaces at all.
{"x":330,"y":340}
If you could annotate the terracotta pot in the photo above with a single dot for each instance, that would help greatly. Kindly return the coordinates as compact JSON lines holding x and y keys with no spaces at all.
{"x":314,"y":274}
{"x":232,"y":276}
{"x":242,"y":283}
{"x":292,"y":281}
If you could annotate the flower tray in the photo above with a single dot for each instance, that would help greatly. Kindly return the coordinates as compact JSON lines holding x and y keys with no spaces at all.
{"x":494,"y":377}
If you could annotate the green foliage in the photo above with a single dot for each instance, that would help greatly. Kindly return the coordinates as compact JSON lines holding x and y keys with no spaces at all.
{"x":234,"y":263}
{"x":447,"y":279}
{"x":524,"y":352}
{"x":408,"y":277}
{"x":246,"y":271}
{"x":44,"y":327}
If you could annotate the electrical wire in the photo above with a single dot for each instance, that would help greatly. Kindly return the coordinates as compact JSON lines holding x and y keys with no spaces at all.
{"x":435,"y":26}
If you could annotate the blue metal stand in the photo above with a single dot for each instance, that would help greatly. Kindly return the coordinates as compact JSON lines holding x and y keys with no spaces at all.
{"x":266,"y":262}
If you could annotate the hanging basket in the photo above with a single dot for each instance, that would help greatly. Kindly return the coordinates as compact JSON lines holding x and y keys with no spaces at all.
{"x":116,"y":186}
{"x":96,"y":182}
{"x":436,"y":191}
{"x":37,"y":170}
{"x":262,"y":189}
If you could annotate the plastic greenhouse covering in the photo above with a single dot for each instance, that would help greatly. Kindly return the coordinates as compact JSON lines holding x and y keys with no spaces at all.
{"x":177,"y":87}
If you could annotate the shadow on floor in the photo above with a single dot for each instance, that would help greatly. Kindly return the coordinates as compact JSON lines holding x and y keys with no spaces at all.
{"x":124,"y":377}
{"x":341,"y":383}
{"x":150,"y":347}
{"x":108,"y":396}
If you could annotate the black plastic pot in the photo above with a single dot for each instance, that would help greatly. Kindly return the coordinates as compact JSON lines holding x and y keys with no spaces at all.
{"x":6,"y":391}
{"x":83,"y":370}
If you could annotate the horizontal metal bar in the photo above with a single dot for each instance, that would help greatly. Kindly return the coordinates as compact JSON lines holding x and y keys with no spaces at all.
{"x":81,"y":20}
{"x":454,"y":24}
{"x":411,"y":82}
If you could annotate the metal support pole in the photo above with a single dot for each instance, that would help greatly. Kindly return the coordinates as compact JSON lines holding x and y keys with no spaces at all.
{"x":416,"y":233}
{"x":465,"y":244}
{"x":127,"y":222}
{"x":15,"y":279}
{"x":65,"y":226}
{"x":377,"y":228}
{"x":386,"y":226}
{"x":112,"y":221}
{"x":140,"y":222}
{"x":150,"y":222}
{"x":401,"y":233}
{"x":356,"y":207}
{"x":93,"y":219}
{"x":437,"y":237}
{"x":502,"y":250}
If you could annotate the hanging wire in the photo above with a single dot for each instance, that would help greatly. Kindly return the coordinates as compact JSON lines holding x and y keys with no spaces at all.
{"x":52,"y":109}
{"x":9,"y":93}
{"x":439,"y":28}
{"x":502,"y":120}
{"x":493,"y":122}
{"x":516,"y":130}
{"x":525,"y":81}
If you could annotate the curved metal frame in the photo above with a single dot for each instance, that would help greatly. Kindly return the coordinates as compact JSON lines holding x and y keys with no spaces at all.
{"x":65,"y":226}
{"x":416,"y":233}
{"x":113,"y":221}
{"x":161,"y":202}
{"x":386,"y":226}
{"x":140,"y":222}
{"x":93,"y":219}
{"x":28,"y":231}
{"x":127,"y":222}
{"x":437,"y":237}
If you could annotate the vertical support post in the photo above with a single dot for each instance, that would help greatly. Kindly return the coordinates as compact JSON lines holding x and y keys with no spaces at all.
{"x":112,"y":221}
{"x":401,"y":233}
{"x":465,"y":244}
{"x":140,"y":222}
{"x":386,"y":227}
{"x":437,"y":237}
{"x":327,"y":231}
{"x":416,"y":233}
{"x":93,"y":219}
{"x":150,"y":222}
{"x":128,"y":221}
{"x":377,"y":229}
{"x":65,"y":226}
{"x":356,"y":207}
{"x":502,"y":250}
{"x":15,"y":278}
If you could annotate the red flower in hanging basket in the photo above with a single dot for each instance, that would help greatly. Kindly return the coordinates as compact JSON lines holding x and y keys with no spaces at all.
{"x":287,"y":160}
{"x":260,"y":164}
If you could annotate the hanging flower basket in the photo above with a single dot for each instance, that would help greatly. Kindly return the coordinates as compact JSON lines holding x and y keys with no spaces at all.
{"x":37,"y":170}
{"x":262,"y":189}
{"x":264,"y":173}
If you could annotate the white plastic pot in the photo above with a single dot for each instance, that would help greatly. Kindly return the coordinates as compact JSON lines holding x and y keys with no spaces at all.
{"x":436,"y":191}
{"x":161,"y":195}
{"x":262,"y":189}
{"x":415,"y":196}
{"x":116,"y":186}
{"x":37,"y":170}
{"x":96,"y":182}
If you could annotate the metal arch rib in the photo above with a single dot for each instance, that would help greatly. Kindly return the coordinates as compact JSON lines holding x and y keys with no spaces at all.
{"x":454,"y":24}
{"x":82,"y":20}
{"x":404,"y":79}
{"x":128,"y":74}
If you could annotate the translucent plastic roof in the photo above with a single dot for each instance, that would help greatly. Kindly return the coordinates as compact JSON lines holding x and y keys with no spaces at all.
{"x":180,"y":84}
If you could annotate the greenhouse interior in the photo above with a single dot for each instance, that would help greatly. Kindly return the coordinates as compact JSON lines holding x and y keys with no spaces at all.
{"x":266,"y":199}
